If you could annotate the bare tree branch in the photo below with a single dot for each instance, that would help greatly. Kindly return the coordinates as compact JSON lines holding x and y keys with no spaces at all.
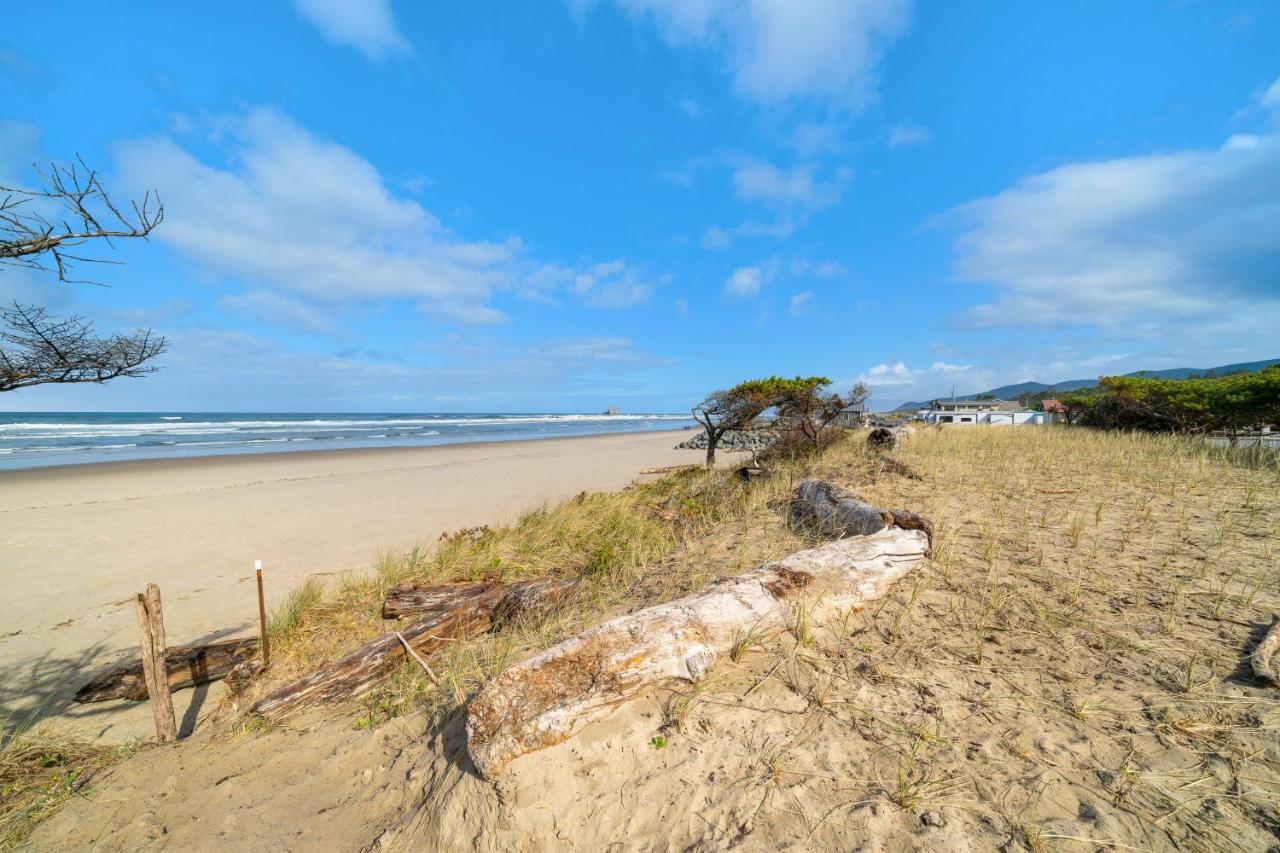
{"x":36,"y":348}
{"x":38,"y":226}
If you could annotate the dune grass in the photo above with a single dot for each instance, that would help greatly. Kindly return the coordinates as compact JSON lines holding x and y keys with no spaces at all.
{"x":40,"y":769}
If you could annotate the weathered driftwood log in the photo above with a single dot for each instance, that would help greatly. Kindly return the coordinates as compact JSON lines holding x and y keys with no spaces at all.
{"x":836,"y":512}
{"x":408,"y":599}
{"x":186,"y":666}
{"x":882,"y":438}
{"x":551,"y":696}
{"x":1266,"y":655}
{"x":363,"y":669}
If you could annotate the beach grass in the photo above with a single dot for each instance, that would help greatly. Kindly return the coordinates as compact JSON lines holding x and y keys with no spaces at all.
{"x":41,"y":767}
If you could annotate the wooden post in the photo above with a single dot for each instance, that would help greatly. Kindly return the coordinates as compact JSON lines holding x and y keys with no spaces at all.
{"x":262,"y":617}
{"x":154,"y":665}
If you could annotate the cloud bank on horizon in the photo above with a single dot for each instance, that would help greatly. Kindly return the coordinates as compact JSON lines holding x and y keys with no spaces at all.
{"x":377,"y":205}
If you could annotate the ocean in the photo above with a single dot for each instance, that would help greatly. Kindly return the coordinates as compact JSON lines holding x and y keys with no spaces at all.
{"x":30,"y":439}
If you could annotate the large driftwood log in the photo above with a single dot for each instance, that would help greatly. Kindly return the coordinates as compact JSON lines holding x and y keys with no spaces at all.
{"x":471,"y":613}
{"x":551,"y":696}
{"x":1266,"y":655}
{"x":186,"y":666}
{"x":836,"y":512}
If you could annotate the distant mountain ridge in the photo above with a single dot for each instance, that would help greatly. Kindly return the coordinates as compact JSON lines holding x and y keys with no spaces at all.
{"x":1012,"y":392}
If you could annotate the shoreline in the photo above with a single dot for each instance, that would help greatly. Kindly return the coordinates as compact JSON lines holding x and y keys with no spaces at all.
{"x":175,"y":451}
{"x":281,"y":457}
{"x":77,"y":541}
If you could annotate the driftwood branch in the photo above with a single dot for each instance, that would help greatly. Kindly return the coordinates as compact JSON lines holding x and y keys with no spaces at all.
{"x":1266,"y":655}
{"x":185,"y":666}
{"x":553,"y":695}
{"x":473,"y":609}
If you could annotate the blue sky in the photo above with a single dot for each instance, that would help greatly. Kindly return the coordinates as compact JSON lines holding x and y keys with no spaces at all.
{"x":566,"y":204}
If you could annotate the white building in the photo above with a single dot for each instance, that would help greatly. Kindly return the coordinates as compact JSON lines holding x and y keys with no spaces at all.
{"x":988,"y":412}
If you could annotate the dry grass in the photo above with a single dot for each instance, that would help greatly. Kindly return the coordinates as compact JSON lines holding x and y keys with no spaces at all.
{"x":40,"y":770}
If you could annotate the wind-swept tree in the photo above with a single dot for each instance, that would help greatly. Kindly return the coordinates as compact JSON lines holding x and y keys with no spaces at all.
{"x":725,"y":411}
{"x":808,"y":407}
{"x":803,"y":404}
{"x":43,"y":229}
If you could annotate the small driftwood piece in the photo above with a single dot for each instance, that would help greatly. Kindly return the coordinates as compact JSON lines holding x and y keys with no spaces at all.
{"x":889,"y":465}
{"x":471,"y":613}
{"x":1266,"y":655}
{"x":154,"y":666}
{"x":835,"y":512}
{"x":669,"y":469}
{"x":185,"y":666}
{"x":551,"y":696}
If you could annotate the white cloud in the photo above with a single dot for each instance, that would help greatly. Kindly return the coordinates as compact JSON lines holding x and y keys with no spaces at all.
{"x":745,"y":282}
{"x":817,"y":269}
{"x":1136,"y":243}
{"x":298,"y":212}
{"x":944,"y":367}
{"x":1271,"y":97}
{"x":366,"y":25}
{"x":908,"y":133}
{"x":271,"y":307}
{"x":614,"y":284}
{"x":796,"y":188}
{"x":690,"y":107}
{"x":295,"y":212}
{"x":799,"y":303}
{"x":791,"y":195}
{"x":887,"y":375}
{"x":778,"y":50}
{"x":715,"y":238}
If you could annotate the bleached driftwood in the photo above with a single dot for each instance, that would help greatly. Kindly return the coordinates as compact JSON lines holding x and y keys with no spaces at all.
{"x":551,"y":696}
{"x":185,"y":666}
{"x":1266,"y":655}
{"x":835,"y":512}
{"x":471,"y":613}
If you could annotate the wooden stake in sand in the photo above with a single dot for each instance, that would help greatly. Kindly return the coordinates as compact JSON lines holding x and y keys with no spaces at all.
{"x":154,"y":665}
{"x":262,"y":617}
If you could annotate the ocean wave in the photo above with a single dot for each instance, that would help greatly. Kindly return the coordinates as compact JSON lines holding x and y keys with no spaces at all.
{"x":28,"y":429}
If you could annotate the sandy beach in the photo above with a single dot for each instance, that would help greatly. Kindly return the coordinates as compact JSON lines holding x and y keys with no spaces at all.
{"x":76,"y":542}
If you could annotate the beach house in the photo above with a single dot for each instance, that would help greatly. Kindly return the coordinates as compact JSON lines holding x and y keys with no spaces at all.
{"x":980,"y":411}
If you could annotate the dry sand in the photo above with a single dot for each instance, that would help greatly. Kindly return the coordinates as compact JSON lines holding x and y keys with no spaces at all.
{"x":77,"y":541}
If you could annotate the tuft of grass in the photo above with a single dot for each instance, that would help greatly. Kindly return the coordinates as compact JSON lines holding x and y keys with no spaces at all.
{"x":40,"y":769}
{"x":286,"y":620}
